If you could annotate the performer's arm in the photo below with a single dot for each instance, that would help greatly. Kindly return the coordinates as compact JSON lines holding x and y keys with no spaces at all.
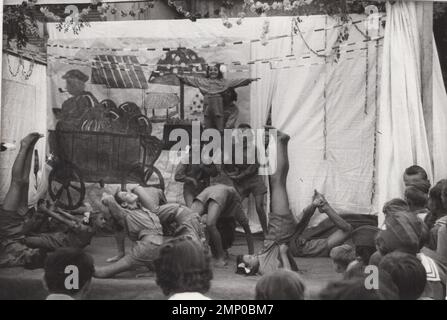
{"x":339,"y":222}
{"x":237,"y":83}
{"x":250,"y":171}
{"x":190,"y":81}
{"x":180,"y":173}
{"x":243,"y":221}
{"x":70,"y":223}
{"x":66,"y":215}
{"x":115,"y":209}
{"x":283,"y":253}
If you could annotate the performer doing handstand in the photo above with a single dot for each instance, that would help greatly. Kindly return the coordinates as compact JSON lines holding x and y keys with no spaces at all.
{"x":287,"y":238}
{"x":13,"y":252}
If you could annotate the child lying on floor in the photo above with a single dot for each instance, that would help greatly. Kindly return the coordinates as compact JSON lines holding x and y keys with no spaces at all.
{"x":287,"y":238}
{"x":142,"y":220}
{"x":78,"y":234}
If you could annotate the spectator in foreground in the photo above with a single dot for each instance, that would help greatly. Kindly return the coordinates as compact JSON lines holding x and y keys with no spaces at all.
{"x":280,"y":285}
{"x":183,"y":269}
{"x":407,"y":273}
{"x":342,"y":256}
{"x":68,"y":274}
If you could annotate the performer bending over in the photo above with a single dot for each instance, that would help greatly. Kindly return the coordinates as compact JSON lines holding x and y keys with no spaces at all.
{"x":195,"y":178}
{"x":286,"y":237}
{"x":222,"y":205}
{"x":141,"y":220}
{"x":13,"y":252}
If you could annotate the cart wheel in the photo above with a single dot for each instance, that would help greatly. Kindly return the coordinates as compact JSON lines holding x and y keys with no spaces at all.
{"x":149,"y":176}
{"x":154,"y":178}
{"x":65,"y":186}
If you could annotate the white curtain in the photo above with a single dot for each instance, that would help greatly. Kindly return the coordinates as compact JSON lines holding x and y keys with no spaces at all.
{"x":402,"y":141}
{"x":439,"y":120}
{"x":329,"y":110}
{"x":23,"y":109}
{"x":1,"y":65}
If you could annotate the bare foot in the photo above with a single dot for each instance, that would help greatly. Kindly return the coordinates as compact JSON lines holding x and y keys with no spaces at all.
{"x":30,"y":139}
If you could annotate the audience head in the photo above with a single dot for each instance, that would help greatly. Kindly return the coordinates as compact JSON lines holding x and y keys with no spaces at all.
{"x":395,"y":205}
{"x":280,"y":285}
{"x":364,"y":239}
{"x":62,"y":264}
{"x":375,"y":259}
{"x":415,"y":198}
{"x":403,"y":232}
{"x":414,"y":174}
{"x":183,"y":265}
{"x":357,"y":289}
{"x":342,"y":256}
{"x":407,"y":273}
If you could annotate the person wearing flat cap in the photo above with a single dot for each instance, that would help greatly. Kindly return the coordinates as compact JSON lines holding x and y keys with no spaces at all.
{"x":75,"y":110}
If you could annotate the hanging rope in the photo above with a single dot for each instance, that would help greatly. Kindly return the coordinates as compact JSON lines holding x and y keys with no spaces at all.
{"x":376,"y":101}
{"x":19,"y":65}
{"x":292,"y":29}
{"x":366,"y":75}
{"x":324,"y":93}
{"x":26,"y":75}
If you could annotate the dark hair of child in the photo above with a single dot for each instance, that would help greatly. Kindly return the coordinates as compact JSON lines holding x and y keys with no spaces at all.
{"x":280,"y":285}
{"x":183,"y":265}
{"x":218,"y":65}
{"x":55,"y":269}
{"x":407,"y":273}
{"x":416,"y":170}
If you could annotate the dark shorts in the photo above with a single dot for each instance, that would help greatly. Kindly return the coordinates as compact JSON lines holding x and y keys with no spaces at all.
{"x":17,"y":254}
{"x":11,"y":225}
{"x":253,"y":185}
{"x":281,"y":227}
{"x":145,"y":251}
{"x":309,"y":248}
{"x":48,"y":241}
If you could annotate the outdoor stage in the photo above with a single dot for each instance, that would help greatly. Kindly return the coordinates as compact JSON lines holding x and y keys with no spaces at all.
{"x":17,"y":283}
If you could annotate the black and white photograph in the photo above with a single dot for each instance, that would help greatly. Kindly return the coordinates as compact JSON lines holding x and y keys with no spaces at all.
{"x":239,"y":151}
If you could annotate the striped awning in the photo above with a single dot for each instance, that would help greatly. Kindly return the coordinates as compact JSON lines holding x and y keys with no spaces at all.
{"x":118,"y":72}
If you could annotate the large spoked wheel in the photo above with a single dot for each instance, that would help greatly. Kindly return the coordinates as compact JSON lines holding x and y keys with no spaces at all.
{"x":65,"y":186}
{"x":149,"y":176}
